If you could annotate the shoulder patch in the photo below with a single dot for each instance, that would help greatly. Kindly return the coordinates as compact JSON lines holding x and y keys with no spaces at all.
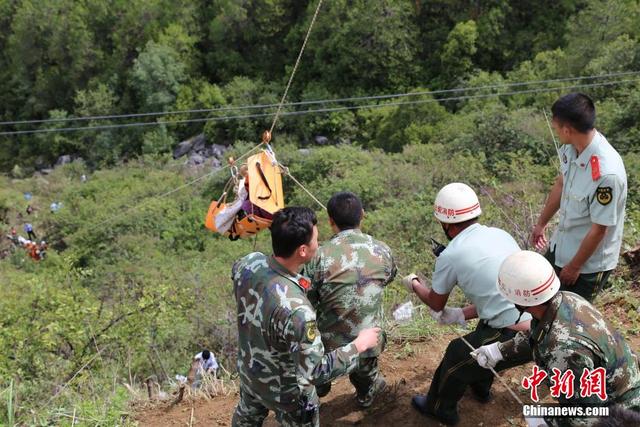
{"x":604,"y":195}
{"x":310,"y":331}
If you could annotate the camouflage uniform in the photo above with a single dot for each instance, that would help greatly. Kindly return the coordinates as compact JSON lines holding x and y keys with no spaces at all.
{"x":348,"y":276}
{"x":574,"y":335}
{"x":280,"y":353}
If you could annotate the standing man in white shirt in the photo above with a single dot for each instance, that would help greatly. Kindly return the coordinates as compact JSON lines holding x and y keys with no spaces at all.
{"x":590,"y":194}
{"x":471,"y":260}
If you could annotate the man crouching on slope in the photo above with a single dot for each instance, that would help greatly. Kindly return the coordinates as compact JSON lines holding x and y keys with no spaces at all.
{"x":471,"y":260}
{"x":348,"y":276}
{"x":571,"y":337}
{"x":280,"y":353}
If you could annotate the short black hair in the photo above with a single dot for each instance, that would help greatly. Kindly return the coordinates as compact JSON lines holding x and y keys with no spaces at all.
{"x":576,"y":110}
{"x":345,"y":209}
{"x":206,"y":354}
{"x":467,"y":223}
{"x":291,"y":228}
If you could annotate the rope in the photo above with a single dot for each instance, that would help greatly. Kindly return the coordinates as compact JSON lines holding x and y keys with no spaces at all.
{"x":504,"y":214}
{"x":319,"y":110}
{"x":318,"y":101}
{"x":493,"y":371}
{"x":288,"y":173}
{"x":553,"y":137}
{"x":255,"y":241}
{"x":293,"y":72}
{"x":64,"y":386}
{"x":295,"y":67}
{"x":168,"y":193}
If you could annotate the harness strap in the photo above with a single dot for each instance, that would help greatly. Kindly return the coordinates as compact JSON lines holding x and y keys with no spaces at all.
{"x":264,"y":181}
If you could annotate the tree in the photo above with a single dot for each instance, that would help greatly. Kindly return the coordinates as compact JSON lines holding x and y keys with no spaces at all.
{"x":196,"y":94}
{"x":238,"y":92}
{"x":457,"y":53}
{"x":156,"y":76}
{"x":360,"y":46}
{"x":104,"y":147}
{"x":184,"y":44}
{"x":247,"y":37}
{"x":598,"y":27}
{"x":50,"y":60}
{"x":395,"y":127}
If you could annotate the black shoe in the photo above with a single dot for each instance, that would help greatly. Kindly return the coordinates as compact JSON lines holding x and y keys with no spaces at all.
{"x":366,"y":400}
{"x":323,"y":389}
{"x":482,"y":398}
{"x":419,"y":402}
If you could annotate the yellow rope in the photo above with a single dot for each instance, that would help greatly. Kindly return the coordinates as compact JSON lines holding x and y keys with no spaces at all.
{"x":295,"y":67}
{"x":315,"y":199}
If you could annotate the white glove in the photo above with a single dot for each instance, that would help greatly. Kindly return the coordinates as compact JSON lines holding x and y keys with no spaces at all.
{"x":407,"y":281}
{"x":535,"y":422}
{"x":436,"y":315}
{"x":487,"y":356}
{"x":452,"y":315}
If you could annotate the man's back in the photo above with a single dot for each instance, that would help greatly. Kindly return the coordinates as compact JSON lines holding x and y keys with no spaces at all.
{"x":472,"y":260}
{"x":348,"y":276}
{"x":574,"y":335}
{"x":206,"y":365}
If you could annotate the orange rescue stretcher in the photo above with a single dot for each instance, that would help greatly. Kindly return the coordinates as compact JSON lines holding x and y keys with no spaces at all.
{"x":265,"y":192}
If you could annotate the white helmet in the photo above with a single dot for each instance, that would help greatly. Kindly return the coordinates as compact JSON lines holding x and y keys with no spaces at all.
{"x":456,"y":203}
{"x":526,"y":278}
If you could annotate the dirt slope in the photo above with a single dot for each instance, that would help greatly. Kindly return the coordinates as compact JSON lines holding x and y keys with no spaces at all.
{"x":408,"y":368}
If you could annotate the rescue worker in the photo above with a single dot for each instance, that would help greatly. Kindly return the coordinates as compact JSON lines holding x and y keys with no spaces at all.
{"x":471,"y":260}
{"x":28,"y":228}
{"x":348,"y":276}
{"x":590,"y":193}
{"x":280,"y":353}
{"x":43,"y":249}
{"x":13,"y":237}
{"x":567,"y":334}
{"x":205,"y":365}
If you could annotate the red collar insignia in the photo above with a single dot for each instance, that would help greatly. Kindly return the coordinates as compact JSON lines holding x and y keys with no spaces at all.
{"x":595,"y":168}
{"x":304,"y":283}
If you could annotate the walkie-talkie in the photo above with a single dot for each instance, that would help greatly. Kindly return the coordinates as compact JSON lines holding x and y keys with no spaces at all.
{"x":437,"y":247}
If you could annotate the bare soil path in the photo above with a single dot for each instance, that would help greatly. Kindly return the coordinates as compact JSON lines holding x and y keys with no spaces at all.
{"x":408,"y":368}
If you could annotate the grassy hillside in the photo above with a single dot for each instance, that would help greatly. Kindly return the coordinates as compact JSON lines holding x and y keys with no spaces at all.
{"x":134,"y":285}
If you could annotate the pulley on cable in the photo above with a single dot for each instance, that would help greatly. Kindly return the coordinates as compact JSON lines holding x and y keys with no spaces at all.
{"x":258,"y":188}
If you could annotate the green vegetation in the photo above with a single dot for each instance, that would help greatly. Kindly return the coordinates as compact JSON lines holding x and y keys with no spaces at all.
{"x":134,"y":285}
{"x":141,"y":285}
{"x":94,"y":58}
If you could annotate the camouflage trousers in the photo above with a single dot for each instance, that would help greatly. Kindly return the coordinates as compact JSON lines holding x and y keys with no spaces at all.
{"x":363,"y":377}
{"x":251,"y":412}
{"x":588,"y":285}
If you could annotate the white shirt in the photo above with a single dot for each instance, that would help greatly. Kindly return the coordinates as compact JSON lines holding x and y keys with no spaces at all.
{"x":472,"y":260}
{"x":206,"y":365}
{"x":587,"y":201}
